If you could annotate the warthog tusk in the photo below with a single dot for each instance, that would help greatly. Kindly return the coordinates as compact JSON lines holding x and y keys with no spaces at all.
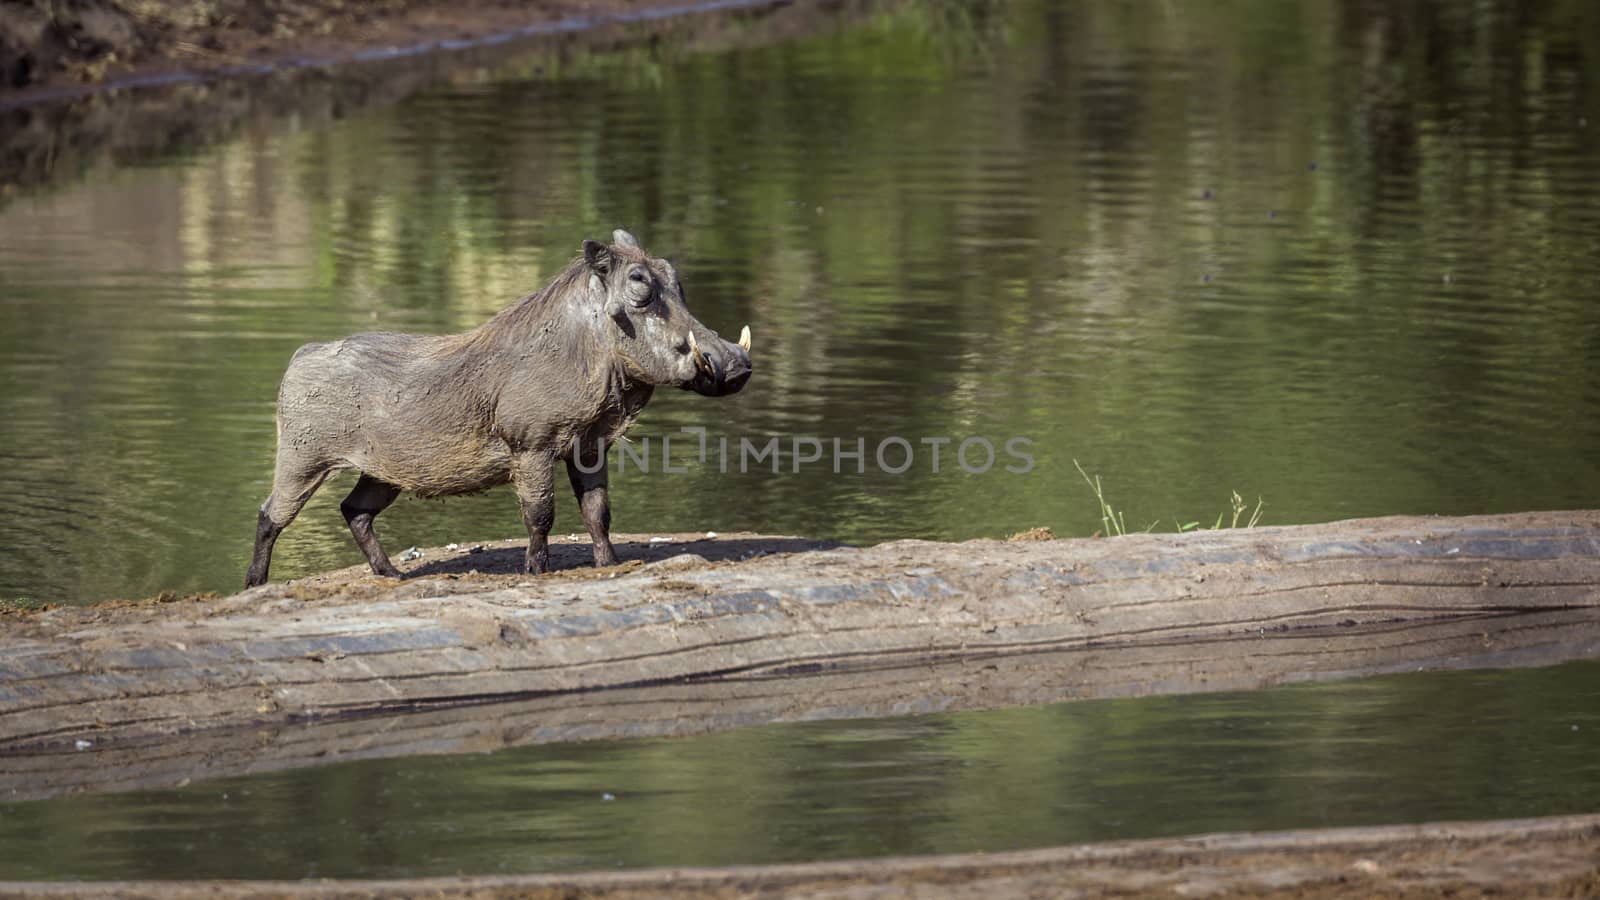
{"x":744,"y":339}
{"x":700,"y":360}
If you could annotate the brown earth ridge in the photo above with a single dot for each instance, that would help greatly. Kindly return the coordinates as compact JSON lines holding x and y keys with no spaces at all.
{"x":166,"y":98}
{"x":56,"y":44}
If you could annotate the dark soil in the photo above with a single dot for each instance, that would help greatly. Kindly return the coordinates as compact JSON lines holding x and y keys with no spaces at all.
{"x":115,"y":82}
{"x":50,"y":43}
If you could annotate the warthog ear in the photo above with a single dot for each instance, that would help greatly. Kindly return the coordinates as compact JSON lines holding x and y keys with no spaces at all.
{"x":598,"y":256}
{"x":625,"y":239}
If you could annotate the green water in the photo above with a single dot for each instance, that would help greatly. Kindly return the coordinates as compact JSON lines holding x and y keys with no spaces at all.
{"x":1340,"y":257}
{"x":1381,"y":751}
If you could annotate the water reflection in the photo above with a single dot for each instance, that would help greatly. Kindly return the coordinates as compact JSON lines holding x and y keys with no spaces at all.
{"x":1381,"y":751}
{"x":1338,"y":255}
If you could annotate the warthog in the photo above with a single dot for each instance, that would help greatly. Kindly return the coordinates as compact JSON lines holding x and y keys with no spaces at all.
{"x":564,"y":369}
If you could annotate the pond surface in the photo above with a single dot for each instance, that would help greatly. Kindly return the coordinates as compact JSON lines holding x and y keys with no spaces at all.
{"x":1386,"y":750}
{"x":1338,"y":257}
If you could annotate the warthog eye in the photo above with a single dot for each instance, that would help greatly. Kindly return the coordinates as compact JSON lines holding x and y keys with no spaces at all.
{"x":642,"y":294}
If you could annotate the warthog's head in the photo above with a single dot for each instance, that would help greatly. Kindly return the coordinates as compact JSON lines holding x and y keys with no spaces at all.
{"x":658,"y":340}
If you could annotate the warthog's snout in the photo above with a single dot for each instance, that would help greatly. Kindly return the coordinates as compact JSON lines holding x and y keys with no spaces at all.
{"x":723,"y":367}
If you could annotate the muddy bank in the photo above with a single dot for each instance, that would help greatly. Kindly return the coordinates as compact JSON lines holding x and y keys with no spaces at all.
{"x":48,"y":45}
{"x":58,"y":127}
{"x":695,"y":634}
{"x":112,"y":764}
{"x":1551,"y":857}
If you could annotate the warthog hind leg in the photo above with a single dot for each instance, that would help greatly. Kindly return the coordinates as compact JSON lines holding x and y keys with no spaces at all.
{"x":595,"y":502}
{"x":267,"y":533}
{"x":368,"y":498}
{"x":292,"y":486}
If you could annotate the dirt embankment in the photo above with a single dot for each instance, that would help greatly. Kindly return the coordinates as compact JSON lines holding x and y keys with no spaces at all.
{"x":51,"y":43}
{"x":167,"y":82}
{"x":696,"y":633}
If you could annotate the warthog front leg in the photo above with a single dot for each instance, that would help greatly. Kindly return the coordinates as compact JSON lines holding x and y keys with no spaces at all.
{"x":593,"y":500}
{"x":533,"y":474}
{"x":368,"y":498}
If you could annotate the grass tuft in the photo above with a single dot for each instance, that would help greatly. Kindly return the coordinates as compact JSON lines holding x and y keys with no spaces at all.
{"x":1114,"y":521}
